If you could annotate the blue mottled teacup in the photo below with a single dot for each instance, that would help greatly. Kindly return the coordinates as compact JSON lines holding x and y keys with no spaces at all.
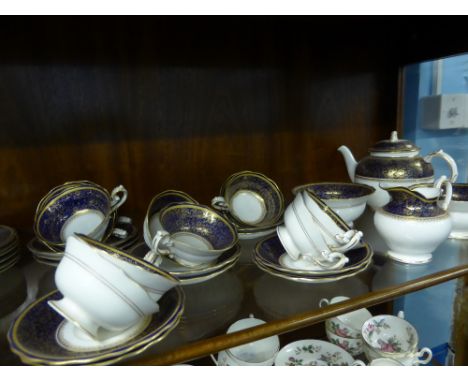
{"x":164,"y":199}
{"x":251,"y":198}
{"x":83,"y":208}
{"x":193,"y":234}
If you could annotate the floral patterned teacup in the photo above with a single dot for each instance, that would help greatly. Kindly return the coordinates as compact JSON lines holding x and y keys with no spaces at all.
{"x":353,"y":346}
{"x":347,"y":325}
{"x":388,"y":336}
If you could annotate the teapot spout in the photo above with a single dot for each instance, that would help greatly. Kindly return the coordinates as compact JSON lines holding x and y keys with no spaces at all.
{"x":350,"y":161}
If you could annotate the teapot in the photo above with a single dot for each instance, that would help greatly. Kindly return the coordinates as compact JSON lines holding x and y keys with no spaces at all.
{"x":393,"y":160}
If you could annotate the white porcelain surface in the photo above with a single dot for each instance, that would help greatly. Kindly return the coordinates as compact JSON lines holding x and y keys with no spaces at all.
{"x":458,"y":211}
{"x":97,"y":293}
{"x":304,"y":242}
{"x":260,"y":351}
{"x":338,"y":236}
{"x":412,"y":240}
{"x":248,"y":207}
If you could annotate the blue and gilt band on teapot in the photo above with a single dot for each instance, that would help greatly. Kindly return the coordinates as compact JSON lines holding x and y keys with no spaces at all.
{"x":50,"y":222}
{"x":405,"y":202}
{"x":200,"y":220}
{"x":394,"y":168}
{"x":399,"y":145}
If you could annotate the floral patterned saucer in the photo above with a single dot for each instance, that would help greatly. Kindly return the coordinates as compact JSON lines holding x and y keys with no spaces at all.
{"x":313,"y":353}
{"x":33,"y":335}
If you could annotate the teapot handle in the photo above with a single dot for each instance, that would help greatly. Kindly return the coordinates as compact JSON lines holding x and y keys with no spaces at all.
{"x":443,"y":181}
{"x":451,"y":162}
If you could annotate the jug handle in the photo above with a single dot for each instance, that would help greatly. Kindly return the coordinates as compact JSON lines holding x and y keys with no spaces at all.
{"x":451,"y":162}
{"x":443,"y":181}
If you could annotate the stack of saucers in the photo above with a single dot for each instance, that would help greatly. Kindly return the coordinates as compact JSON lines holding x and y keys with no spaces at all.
{"x":193,"y":275}
{"x":76,"y":207}
{"x":269,"y":254}
{"x":9,"y":254}
{"x":109,"y":306}
{"x":252,"y":202}
{"x":189,"y":241}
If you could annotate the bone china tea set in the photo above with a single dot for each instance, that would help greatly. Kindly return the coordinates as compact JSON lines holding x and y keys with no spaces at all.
{"x":115,"y":299}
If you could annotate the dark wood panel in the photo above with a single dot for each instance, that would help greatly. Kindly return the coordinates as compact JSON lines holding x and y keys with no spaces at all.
{"x":164,"y":102}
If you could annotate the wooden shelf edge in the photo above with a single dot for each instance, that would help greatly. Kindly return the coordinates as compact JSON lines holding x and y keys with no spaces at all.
{"x":213,"y":345}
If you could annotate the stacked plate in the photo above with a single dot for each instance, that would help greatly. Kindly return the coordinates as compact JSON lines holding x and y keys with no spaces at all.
{"x":35,"y":336}
{"x":9,"y":242}
{"x":124,"y":235}
{"x":269,"y":255}
{"x":193,"y":275}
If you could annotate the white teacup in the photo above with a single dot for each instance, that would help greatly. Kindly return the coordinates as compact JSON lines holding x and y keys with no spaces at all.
{"x":379,"y":362}
{"x":97,"y":294}
{"x":387,"y":336}
{"x":337,"y":234}
{"x":303,"y":240}
{"x":257,"y":353}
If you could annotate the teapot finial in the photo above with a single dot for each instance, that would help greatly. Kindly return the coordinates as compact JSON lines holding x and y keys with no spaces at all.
{"x":394,"y":136}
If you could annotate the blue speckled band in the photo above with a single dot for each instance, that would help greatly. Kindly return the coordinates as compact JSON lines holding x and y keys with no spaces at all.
{"x":326,"y":191}
{"x":261,"y":185}
{"x":394,"y":168}
{"x":53,"y":218}
{"x":405,"y":202}
{"x":200,"y":221}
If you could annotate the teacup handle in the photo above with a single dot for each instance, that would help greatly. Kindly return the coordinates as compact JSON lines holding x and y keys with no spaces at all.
{"x":328,"y":257}
{"x":420,"y":354}
{"x":214,"y":359}
{"x":162,"y":238}
{"x":324,"y":302}
{"x":118,"y":197}
{"x":120,"y":233}
{"x":350,"y":239}
{"x":451,"y":162}
{"x":443,"y":181}
{"x":358,"y":362}
{"x":219,"y":203}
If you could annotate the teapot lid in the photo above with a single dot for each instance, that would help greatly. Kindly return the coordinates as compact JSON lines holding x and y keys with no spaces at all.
{"x":394,"y":145}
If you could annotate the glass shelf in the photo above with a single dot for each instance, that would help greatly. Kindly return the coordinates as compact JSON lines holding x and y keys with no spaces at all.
{"x":212,"y":306}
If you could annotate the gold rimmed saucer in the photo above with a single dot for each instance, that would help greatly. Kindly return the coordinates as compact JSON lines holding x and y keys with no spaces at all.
{"x":32,"y":336}
{"x":312,"y":279}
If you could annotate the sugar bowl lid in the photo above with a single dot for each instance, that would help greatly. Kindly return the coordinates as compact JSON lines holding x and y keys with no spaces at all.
{"x":394,"y":144}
